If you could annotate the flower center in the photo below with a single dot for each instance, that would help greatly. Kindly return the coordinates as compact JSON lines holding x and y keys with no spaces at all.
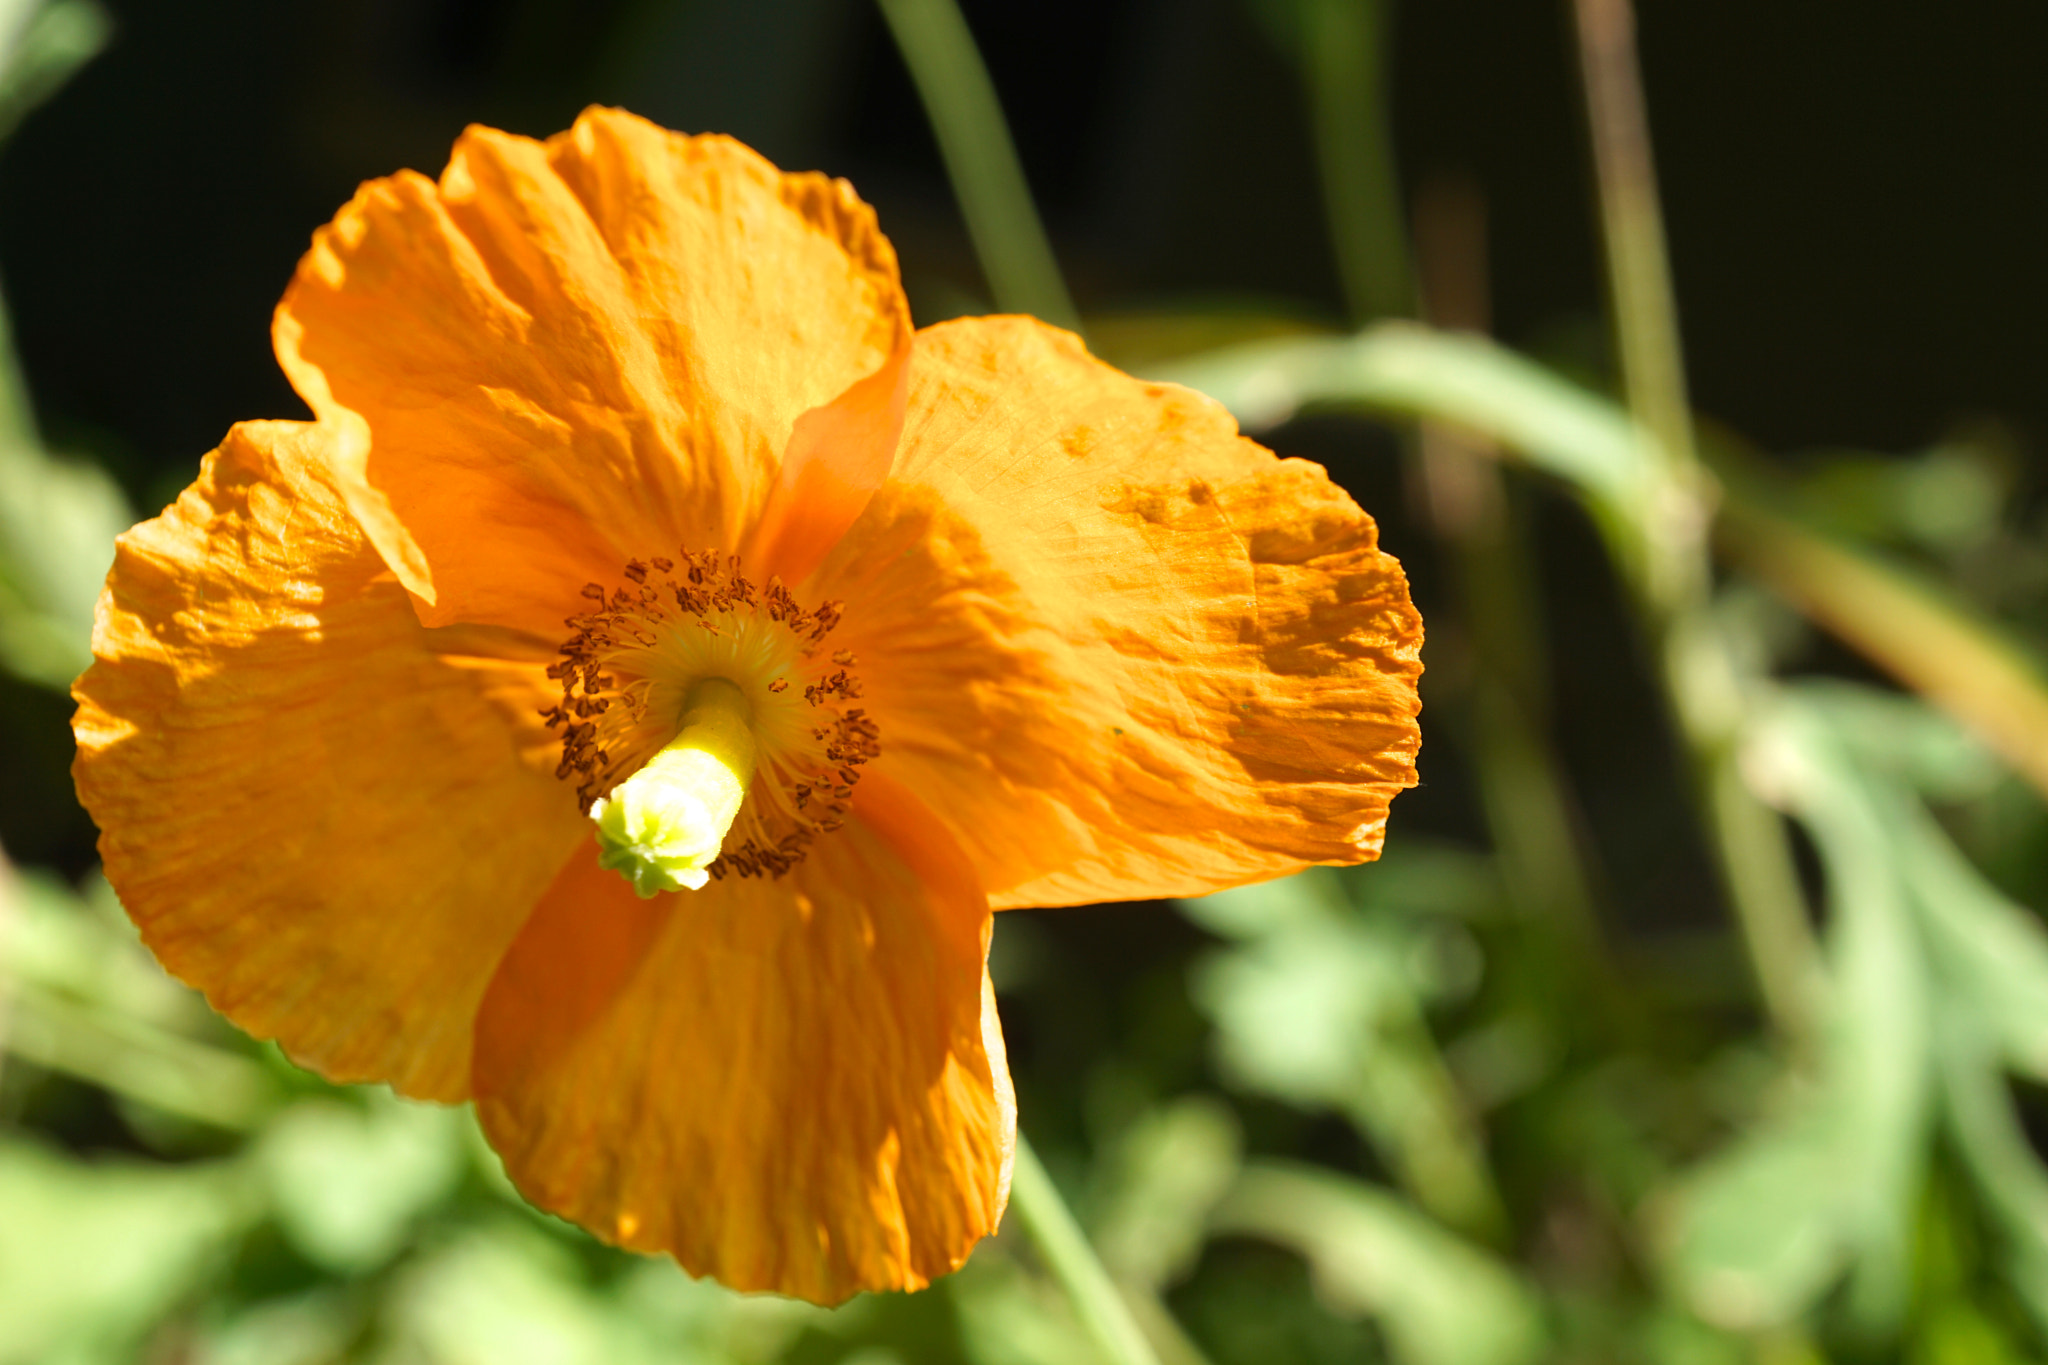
{"x":705,"y":723}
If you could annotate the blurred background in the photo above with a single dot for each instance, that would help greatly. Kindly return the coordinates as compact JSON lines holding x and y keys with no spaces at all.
{"x":1698,"y":1011}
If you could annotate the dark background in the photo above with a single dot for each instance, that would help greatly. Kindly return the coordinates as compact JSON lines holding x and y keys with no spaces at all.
{"x":1851,"y":190}
{"x":1852,"y":194}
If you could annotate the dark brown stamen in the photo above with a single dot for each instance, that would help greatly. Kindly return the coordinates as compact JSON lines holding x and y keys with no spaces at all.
{"x":609,"y":661}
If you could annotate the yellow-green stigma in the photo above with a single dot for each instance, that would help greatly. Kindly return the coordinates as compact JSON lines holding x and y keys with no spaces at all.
{"x":664,"y":826}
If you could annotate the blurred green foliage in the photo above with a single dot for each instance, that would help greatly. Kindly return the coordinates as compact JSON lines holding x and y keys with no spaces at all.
{"x":58,"y":517}
{"x":1434,"y":1110}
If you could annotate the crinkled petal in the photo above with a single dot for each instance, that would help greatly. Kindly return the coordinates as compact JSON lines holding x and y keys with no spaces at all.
{"x":793,"y":1084}
{"x":564,"y":355}
{"x":1121,"y":650}
{"x":837,"y":457}
{"x":328,"y":818}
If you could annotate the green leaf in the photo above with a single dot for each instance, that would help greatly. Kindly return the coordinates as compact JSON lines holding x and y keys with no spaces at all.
{"x":1992,"y":952}
{"x":1947,"y":499}
{"x":1966,"y":973}
{"x":508,"y":1294}
{"x":305,"y":1329}
{"x":58,"y":520}
{"x":1921,"y":633}
{"x":702,"y":1320}
{"x":1322,"y":1005}
{"x":91,"y":1003}
{"x":1878,"y":1042}
{"x":1440,"y":1299}
{"x":1135,"y":341}
{"x":1420,"y":878}
{"x":1007,"y":1318}
{"x":1898,"y":737}
{"x":1169,"y":1171}
{"x":1998,"y":1157}
{"x":1956,"y":1333}
{"x":94,"y":1254}
{"x":1915,"y":629}
{"x":41,"y":45}
{"x":1245,"y":912}
{"x":1403,"y":368}
{"x":350,"y":1181}
{"x":1300,"y":1014}
{"x":1758,"y":1234}
{"x":83,"y":948}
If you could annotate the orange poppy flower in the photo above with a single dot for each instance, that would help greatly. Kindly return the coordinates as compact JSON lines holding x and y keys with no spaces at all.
{"x":625,"y":702}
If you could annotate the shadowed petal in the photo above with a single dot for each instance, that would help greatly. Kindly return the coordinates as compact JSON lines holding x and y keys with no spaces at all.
{"x":1121,"y":650}
{"x":837,"y":457}
{"x":565,"y":355}
{"x":328,"y":818}
{"x":793,"y":1084}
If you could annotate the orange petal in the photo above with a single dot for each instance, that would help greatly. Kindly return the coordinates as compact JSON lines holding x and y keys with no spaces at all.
{"x":792,"y":1084}
{"x":321,"y":814}
{"x":569,"y":354}
{"x":1122,"y":651}
{"x":838,"y":456}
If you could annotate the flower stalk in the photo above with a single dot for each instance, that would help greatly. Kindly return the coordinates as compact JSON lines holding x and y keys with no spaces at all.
{"x":1017,"y":258}
{"x":1065,"y":1250}
{"x":1344,"y":63}
{"x":981,"y":160}
{"x":1707,"y":688}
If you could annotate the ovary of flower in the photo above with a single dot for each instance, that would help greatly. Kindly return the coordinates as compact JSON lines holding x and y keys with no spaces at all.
{"x":663,"y":827}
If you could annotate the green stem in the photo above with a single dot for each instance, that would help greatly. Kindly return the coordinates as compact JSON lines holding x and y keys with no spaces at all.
{"x":1638,"y":270}
{"x":1344,"y":64}
{"x":1017,"y":258}
{"x":1707,"y":691}
{"x":136,"y":1059}
{"x":1999,"y":1158}
{"x":8,"y":911}
{"x":1763,"y":882}
{"x":1412,"y":1111}
{"x":17,"y":414}
{"x":981,"y":161}
{"x":1522,"y":786}
{"x":1097,"y":1301}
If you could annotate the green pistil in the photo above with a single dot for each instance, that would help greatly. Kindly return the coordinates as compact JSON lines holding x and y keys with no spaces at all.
{"x":663,"y":826}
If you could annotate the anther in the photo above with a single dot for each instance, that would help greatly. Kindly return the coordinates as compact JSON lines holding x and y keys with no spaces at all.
{"x":668,"y":684}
